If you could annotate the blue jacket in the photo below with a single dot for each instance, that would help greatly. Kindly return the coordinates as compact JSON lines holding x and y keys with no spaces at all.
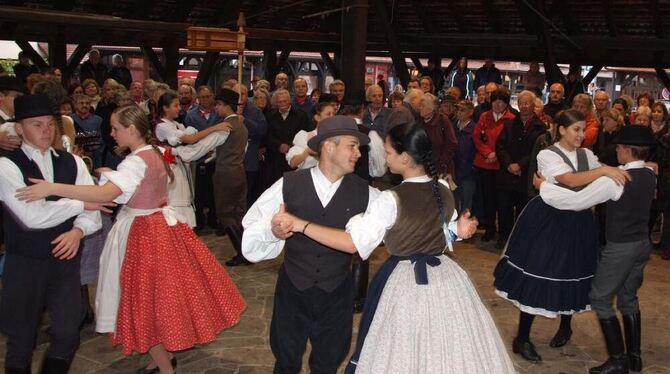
{"x":465,"y":153}
{"x":464,"y":80}
{"x":257,"y":127}
{"x":194,"y":119}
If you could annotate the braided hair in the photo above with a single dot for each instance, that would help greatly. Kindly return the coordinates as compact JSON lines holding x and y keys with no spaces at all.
{"x":413,"y":140}
{"x":133,"y":115}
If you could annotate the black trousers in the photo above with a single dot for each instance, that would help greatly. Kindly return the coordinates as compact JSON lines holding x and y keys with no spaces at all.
{"x":487,"y":184}
{"x":204,"y":193}
{"x":325,"y":318}
{"x":29,"y":285}
{"x":510,"y":205}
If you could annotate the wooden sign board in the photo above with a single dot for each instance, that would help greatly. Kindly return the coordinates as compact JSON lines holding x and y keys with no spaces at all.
{"x":214,"y":39}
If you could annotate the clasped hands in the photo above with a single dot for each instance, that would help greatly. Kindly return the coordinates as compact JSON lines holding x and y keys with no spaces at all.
{"x":284,"y":224}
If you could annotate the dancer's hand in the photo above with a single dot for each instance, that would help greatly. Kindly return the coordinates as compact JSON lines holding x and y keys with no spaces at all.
{"x":67,"y":244}
{"x":538,"y":179}
{"x":619,"y":176}
{"x":37,"y":191}
{"x":103,"y":207}
{"x":466,"y":225}
{"x":282,"y":223}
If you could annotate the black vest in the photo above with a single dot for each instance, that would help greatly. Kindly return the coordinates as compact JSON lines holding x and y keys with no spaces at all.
{"x":308,"y":263}
{"x":22,"y":240}
{"x":628,"y":218}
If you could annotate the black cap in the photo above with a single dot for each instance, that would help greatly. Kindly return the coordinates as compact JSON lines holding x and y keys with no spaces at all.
{"x":336,"y":126}
{"x":29,"y":106}
{"x":228,"y":96}
{"x":635,"y":135}
{"x":8,"y":83}
{"x":355,"y":97}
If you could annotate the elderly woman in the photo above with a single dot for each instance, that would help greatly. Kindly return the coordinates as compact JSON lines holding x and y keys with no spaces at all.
{"x":440,"y":133}
{"x":485,"y":137}
{"x":643,"y":116}
{"x":513,"y":148}
{"x":92,"y":90}
{"x":584,"y":104}
{"x":261,"y":100}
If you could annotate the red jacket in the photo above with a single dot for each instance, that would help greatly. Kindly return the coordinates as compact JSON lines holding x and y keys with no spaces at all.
{"x":486,"y":135}
{"x":591,"y":131}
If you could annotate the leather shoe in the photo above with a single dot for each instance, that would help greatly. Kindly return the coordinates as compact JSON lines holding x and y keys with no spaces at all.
{"x":156,"y":370}
{"x":561,"y":338}
{"x":526,"y":350}
{"x":237,"y":261}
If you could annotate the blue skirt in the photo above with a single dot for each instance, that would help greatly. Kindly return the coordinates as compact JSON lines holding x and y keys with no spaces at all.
{"x":549,"y":260}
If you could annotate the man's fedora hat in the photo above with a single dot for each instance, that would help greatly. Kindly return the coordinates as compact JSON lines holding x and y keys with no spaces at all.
{"x":337,"y":126}
{"x":29,"y":106}
{"x":635,"y":135}
{"x":228,"y":96}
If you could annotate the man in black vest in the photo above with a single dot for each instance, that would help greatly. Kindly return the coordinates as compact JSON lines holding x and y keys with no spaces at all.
{"x":42,"y":240}
{"x":314,"y":293}
{"x":622,"y":260}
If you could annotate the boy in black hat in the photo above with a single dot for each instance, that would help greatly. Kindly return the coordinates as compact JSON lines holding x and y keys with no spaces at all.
{"x":623,"y":258}
{"x":314,"y":292}
{"x":42,"y":243}
{"x":230,"y":177}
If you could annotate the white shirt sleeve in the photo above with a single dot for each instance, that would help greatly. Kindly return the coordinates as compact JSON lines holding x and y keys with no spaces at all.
{"x":368,"y":229}
{"x":167,"y":132}
{"x":599,"y":191}
{"x":88,"y":221}
{"x":39,"y":214}
{"x":127,"y":177}
{"x":551,"y":165}
{"x":376,"y":155}
{"x":258,"y":241}
{"x":299,"y":146}
{"x":192,"y":152}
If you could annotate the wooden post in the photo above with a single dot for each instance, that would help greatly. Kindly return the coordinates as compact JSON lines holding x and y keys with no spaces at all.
{"x":270,"y":66}
{"x":354,"y":42}
{"x":171,"y":53}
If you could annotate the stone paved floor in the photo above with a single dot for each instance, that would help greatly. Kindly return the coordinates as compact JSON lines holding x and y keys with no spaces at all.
{"x":244,"y":349}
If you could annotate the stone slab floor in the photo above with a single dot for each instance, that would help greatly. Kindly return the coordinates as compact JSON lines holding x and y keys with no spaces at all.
{"x":244,"y":349}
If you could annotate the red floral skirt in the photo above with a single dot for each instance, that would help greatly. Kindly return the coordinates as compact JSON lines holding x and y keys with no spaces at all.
{"x":173,"y":290}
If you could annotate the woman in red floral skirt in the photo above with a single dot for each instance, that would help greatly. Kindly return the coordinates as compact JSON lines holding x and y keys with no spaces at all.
{"x":160,"y":289}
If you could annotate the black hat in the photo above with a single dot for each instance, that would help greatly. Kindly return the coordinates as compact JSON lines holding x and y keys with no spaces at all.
{"x":635,"y":135}
{"x":327,"y":98}
{"x":355,"y":97}
{"x":8,"y":83}
{"x":228,"y":96}
{"x":29,"y":106}
{"x":337,"y":126}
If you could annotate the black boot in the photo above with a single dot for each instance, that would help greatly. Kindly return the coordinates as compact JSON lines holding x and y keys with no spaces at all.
{"x":55,"y":366}
{"x":360,"y":270}
{"x":235,"y":235}
{"x":632,"y":327}
{"x":89,"y":314}
{"x":564,"y":333}
{"x":9,"y":370}
{"x":617,"y":362}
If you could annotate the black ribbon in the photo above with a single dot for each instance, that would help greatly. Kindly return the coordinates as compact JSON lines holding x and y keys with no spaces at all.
{"x":420,"y":269}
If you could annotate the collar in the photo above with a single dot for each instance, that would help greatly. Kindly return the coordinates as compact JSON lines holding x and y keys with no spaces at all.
{"x":232,"y":115}
{"x":4,"y":115}
{"x":300,"y":101}
{"x":138,"y":150}
{"x":31,"y":151}
{"x":558,"y":144}
{"x":420,"y":179}
{"x":634,"y":165}
{"x":321,"y":179}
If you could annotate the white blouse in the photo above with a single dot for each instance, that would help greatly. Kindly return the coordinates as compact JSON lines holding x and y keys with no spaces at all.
{"x":551,"y":165}
{"x":172,"y":131}
{"x":299,"y":146}
{"x":127,"y":176}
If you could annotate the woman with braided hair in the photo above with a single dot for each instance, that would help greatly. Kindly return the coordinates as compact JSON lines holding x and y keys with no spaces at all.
{"x":423,"y":315}
{"x":160,"y":289}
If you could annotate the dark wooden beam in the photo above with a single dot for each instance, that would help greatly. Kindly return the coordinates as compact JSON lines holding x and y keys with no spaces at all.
{"x":657,"y":17}
{"x":354,"y":43}
{"x":418,"y":65}
{"x":57,"y":55}
{"x":150,"y":55}
{"x":435,"y":61}
{"x":527,"y":19}
{"x":270,"y":68}
{"x":426,"y":19}
{"x":282,"y":61}
{"x":608,"y":7}
{"x":141,"y":9}
{"x":457,"y":16}
{"x":32,"y":54}
{"x":590,"y":76}
{"x":552,"y":72}
{"x":171,"y":53}
{"x":292,"y":36}
{"x":491,"y":15}
{"x":206,"y":68}
{"x":394,"y":47}
{"x":74,"y":61}
{"x":568,"y":17}
{"x":332,"y":66}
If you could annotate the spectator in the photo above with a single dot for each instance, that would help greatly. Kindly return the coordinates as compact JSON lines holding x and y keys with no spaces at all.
{"x":119,"y":72}
{"x":556,"y":101}
{"x":622,"y":106}
{"x":396,"y":99}
{"x":462,"y":78}
{"x":602,"y":102}
{"x":448,"y":108}
{"x":441,"y":134}
{"x":487,"y":73}
{"x":582,"y":102}
{"x":381,"y":82}
{"x":534,"y":80}
{"x":573,"y":83}
{"x":466,"y":173}
{"x":376,"y":114}
{"x":315,"y":95}
{"x":89,"y":130}
{"x":54,"y":74}
{"x":300,"y":99}
{"x":186,"y":101}
{"x":413,"y":84}
{"x":426,"y":84}
{"x":93,"y":68}
{"x":24,"y":68}
{"x":137,"y":90}
{"x":261,"y":100}
{"x":643,"y":99}
{"x":485,"y":106}
{"x":337,"y":88}
{"x":281,"y":81}
{"x":92,"y":90}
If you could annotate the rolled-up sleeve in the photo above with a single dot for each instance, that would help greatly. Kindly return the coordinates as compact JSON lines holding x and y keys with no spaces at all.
{"x":258,"y":241}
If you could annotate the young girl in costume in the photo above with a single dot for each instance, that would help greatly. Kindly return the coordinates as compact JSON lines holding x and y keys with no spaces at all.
{"x":422,"y":315}
{"x":160,"y":288}
{"x":550,"y":257}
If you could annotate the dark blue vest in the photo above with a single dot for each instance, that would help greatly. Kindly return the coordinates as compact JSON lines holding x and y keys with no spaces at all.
{"x":308,"y":263}
{"x":19,"y":238}
{"x":628,"y":218}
